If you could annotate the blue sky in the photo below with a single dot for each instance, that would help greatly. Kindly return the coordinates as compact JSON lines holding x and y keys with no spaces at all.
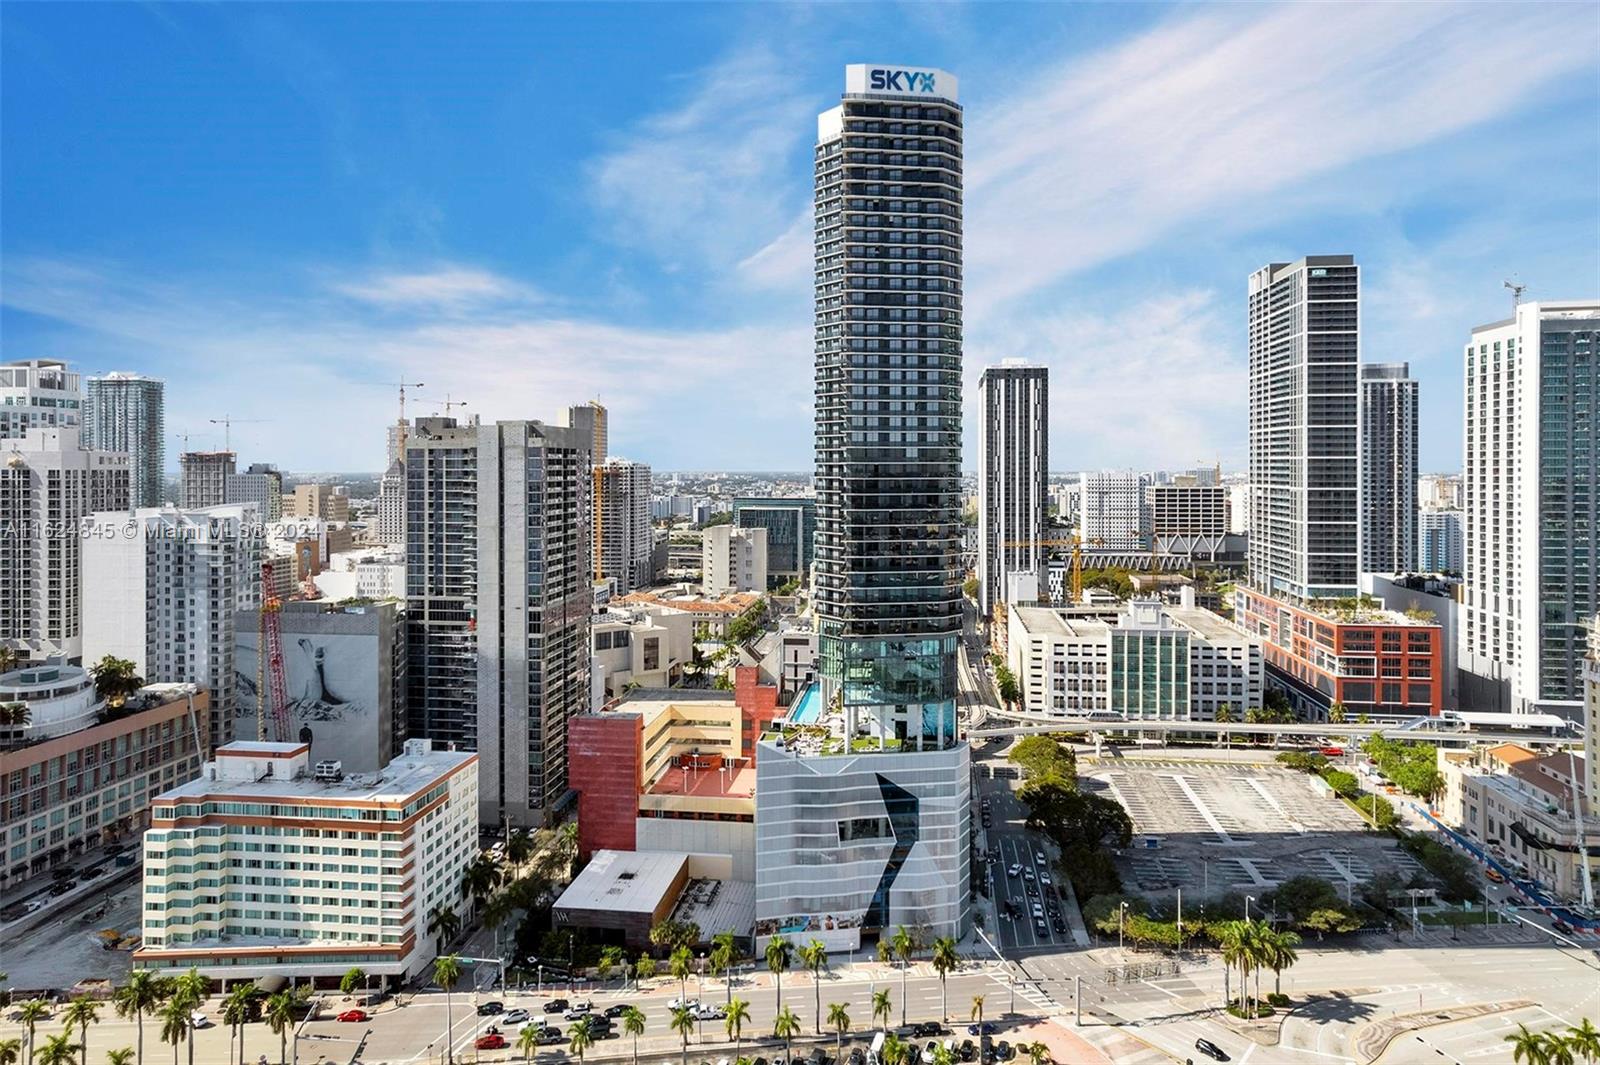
{"x":279,"y":207}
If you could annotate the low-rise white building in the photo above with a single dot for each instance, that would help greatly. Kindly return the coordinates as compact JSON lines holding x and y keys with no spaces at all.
{"x":270,"y":866}
{"x":1147,"y":661}
{"x":642,"y":646}
{"x":733,"y":560}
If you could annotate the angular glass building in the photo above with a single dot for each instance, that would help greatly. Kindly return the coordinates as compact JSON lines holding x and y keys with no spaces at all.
{"x":888,"y":401}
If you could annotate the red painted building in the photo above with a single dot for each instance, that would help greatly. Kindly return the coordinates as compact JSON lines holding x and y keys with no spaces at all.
{"x":1373,"y":661}
{"x":678,"y":753}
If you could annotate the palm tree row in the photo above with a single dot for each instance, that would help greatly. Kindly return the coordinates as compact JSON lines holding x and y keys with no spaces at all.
{"x":1580,"y":1042}
{"x":1251,"y":946}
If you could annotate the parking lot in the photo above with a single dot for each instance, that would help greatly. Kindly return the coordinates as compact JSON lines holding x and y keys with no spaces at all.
{"x":1213,"y":829}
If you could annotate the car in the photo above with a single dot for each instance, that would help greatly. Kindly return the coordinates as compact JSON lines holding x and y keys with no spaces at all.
{"x":61,"y":887}
{"x":491,"y":1041}
{"x":1516,"y":900}
{"x":556,"y":1005}
{"x":517,"y":1016}
{"x":1210,"y":1050}
{"x":683,"y":1003}
{"x":491,"y":1008}
{"x":1059,"y":926}
{"x":928,"y":1051}
{"x":922,"y":1028}
{"x":710,"y":1011}
{"x":1033,"y":890}
{"x":1561,"y":926}
{"x":578,"y":1012}
{"x":857,"y":1056}
{"x":1040,"y":928}
{"x":1003,"y":1051}
{"x":618,"y":1009}
{"x":1330,"y":752}
{"x":985,"y":1028}
{"x":354,"y":1016}
{"x":1015,"y":870}
{"x":1027,"y":874}
{"x":549,"y":1035}
{"x":818,"y":1056}
{"x":1040,"y":856}
{"x":199,"y":1020}
{"x":1494,"y":875}
{"x":1044,"y":878}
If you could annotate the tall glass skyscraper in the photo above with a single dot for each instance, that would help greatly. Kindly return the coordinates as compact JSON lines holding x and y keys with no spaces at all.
{"x":888,"y":401}
{"x":127,"y":412}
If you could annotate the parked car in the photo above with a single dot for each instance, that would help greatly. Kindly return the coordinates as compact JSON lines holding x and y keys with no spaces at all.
{"x":556,"y":1005}
{"x":925,"y":1028}
{"x":491,"y":1041}
{"x":199,"y":1020}
{"x":1210,"y":1050}
{"x":354,"y":1016}
{"x":986,"y":1028}
{"x":1003,"y":1051}
{"x":1561,"y":926}
{"x":966,"y":1051}
{"x":491,"y":1008}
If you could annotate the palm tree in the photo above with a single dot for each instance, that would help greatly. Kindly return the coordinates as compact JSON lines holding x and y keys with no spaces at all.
{"x":839,"y":1017}
{"x":895,"y":1051}
{"x":977,"y":1011}
{"x":121,"y":1056}
{"x":1223,"y":716}
{"x":30,"y":1014}
{"x":738,"y":1013}
{"x":1527,"y":1046}
{"x":528,"y":1040}
{"x":1584,"y":1039}
{"x":57,"y":1050}
{"x":10,"y":1051}
{"x":479,"y":879}
{"x":814,"y":956}
{"x":114,"y":680}
{"x":443,"y":924}
{"x":632,"y":1024}
{"x":190,"y":989}
{"x":447,"y":973}
{"x":780,"y":955}
{"x":1557,"y":1050}
{"x":238,"y":1009}
{"x":142,"y":994}
{"x":882,"y":1007}
{"x":1038,"y":1053}
{"x":942,"y":1055}
{"x":519,"y":848}
{"x":81,"y":1012}
{"x":1337,"y":713}
{"x":680,"y":964}
{"x":1231,"y":938}
{"x":945,"y":959}
{"x":724,"y":952}
{"x":175,"y":1024}
{"x":279,"y":1014}
{"x":1280,"y":955}
{"x":582,"y":1039}
{"x":786,"y":1026}
{"x":683,"y":1023}
{"x":903,"y":946}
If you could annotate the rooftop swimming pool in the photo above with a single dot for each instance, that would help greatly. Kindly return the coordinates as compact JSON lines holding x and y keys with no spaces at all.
{"x":807,"y":708}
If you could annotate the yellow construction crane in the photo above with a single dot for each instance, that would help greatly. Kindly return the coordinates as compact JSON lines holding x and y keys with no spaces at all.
{"x":1074,"y":542}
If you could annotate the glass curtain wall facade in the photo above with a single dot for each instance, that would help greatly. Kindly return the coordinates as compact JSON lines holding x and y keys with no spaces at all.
{"x":888,"y":211}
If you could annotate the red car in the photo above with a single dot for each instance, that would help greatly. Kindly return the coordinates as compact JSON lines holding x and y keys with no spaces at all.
{"x":491,"y":1042}
{"x":1331,"y":752}
{"x":355,"y":1015}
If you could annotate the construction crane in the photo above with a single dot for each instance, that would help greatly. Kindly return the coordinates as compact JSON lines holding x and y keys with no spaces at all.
{"x":1517,"y":289}
{"x":402,"y":386}
{"x":448,"y":403}
{"x":272,"y":698}
{"x":1074,"y":542}
{"x":227,"y":422}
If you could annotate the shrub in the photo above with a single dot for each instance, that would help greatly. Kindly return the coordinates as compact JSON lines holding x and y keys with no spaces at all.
{"x":1345,"y":785}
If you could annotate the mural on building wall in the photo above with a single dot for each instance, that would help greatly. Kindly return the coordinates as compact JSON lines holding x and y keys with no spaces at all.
{"x":332,"y":685}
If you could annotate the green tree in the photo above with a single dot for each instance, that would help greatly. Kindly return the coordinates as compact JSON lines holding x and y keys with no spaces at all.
{"x":447,"y":973}
{"x":443,"y":924}
{"x":882,"y":1007}
{"x":120,"y":1056}
{"x":1038,"y":1053}
{"x":80,"y":1013}
{"x":945,"y":961}
{"x":1045,"y":756}
{"x":734,"y":1022}
{"x":1224,"y":716}
{"x":780,"y":955}
{"x":580,"y":1038}
{"x":279,"y":1015}
{"x":528,"y":1041}
{"x":786,"y":1026}
{"x":1527,"y":1046}
{"x":1584,"y":1039}
{"x":114,"y":680}
{"x":814,"y":956}
{"x":903,"y":946}
{"x":609,"y":959}
{"x":632,"y":1025}
{"x":175,"y":1024}
{"x":683,"y":1024}
{"x":1279,"y":954}
{"x":680,"y":965}
{"x":239,"y":1008}
{"x":896,"y":1051}
{"x":57,"y":1050}
{"x":721,"y":958}
{"x":30,"y":1014}
{"x":1337,"y":713}
{"x":644,"y":968}
{"x":10,"y":1051}
{"x":353,"y":978}
{"x":839,"y":1018}
{"x":1557,"y":1051}
{"x":977,"y":1011}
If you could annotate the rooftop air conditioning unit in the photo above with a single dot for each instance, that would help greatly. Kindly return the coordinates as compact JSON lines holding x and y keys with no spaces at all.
{"x":329,"y":770}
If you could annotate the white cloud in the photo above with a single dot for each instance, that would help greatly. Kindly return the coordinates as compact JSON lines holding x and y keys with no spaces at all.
{"x":317,"y":375}
{"x":1160,"y":383}
{"x":711,"y":180}
{"x":1206,"y":117}
{"x":447,"y":286}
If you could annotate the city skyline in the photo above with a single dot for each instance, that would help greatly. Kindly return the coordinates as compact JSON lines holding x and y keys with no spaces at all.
{"x":368,"y":230}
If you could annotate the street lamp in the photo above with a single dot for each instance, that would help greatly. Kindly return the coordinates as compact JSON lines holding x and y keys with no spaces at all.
{"x":1122,"y":919}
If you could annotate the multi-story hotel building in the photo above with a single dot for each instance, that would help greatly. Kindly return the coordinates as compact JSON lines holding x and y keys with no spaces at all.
{"x":48,"y":484}
{"x":1304,"y":322}
{"x":1149,"y":662}
{"x":1013,"y":473}
{"x":127,"y":412}
{"x":77,"y":774}
{"x":1388,"y":489}
{"x":265,"y":866}
{"x":1532,"y":487}
{"x":38,"y":394}
{"x":1371,"y":660}
{"x":498,"y":601}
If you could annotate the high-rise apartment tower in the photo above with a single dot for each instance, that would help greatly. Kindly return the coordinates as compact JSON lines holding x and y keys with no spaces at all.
{"x":1013,"y":465}
{"x":1388,"y":469}
{"x":127,"y":412}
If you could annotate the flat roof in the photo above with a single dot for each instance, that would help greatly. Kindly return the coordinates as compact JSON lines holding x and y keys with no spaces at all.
{"x":1043,"y":621}
{"x":625,"y":881}
{"x":398,"y":782}
{"x":732,"y":783}
{"x":1209,"y":625}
